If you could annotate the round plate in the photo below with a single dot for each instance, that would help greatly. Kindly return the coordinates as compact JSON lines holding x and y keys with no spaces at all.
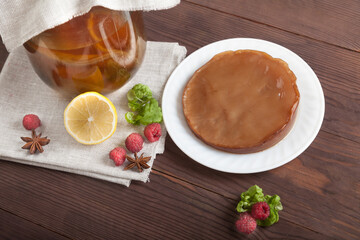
{"x":307,"y":124}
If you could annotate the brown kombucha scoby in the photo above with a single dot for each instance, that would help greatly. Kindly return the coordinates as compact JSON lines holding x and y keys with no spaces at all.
{"x":241,"y":101}
{"x":98,"y":51}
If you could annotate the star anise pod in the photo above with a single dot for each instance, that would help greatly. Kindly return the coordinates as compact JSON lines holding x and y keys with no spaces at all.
{"x":139,"y":162}
{"x":35,"y":143}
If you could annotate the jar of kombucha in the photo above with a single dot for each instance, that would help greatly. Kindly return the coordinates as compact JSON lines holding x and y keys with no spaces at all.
{"x":99,"y":51}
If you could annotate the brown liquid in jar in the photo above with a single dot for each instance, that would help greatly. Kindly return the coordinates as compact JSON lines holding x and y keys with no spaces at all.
{"x":98,"y":51}
{"x":241,"y":101}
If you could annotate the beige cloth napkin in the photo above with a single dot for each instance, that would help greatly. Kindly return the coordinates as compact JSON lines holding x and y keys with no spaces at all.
{"x":21,"y":20}
{"x":22,"y":92}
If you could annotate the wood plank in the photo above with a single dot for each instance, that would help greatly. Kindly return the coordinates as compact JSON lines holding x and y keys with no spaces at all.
{"x":329,"y":167}
{"x":323,"y":182}
{"x":334,"y":22}
{"x":196,"y":201}
{"x":3,"y":54}
{"x":14,"y":227}
{"x":337,"y":69}
{"x":165,"y":208}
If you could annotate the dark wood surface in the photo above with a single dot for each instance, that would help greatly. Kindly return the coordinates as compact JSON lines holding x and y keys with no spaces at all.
{"x":320,"y":189}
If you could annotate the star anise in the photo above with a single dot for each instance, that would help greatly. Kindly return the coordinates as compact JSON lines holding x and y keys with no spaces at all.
{"x":139,"y":162}
{"x":35,"y":143}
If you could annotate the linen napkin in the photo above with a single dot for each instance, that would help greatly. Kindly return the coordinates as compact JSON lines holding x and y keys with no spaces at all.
{"x":21,"y":20}
{"x":22,"y":92}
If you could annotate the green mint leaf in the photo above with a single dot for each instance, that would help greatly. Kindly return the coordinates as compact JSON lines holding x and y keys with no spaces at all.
{"x":273,"y":218}
{"x":138,"y":96}
{"x":145,"y":109}
{"x":139,"y":92}
{"x":274,"y":201}
{"x":275,"y":206}
{"x":151,"y":113}
{"x":135,"y":105}
{"x":253,"y":195}
{"x":131,"y":118}
{"x":131,"y":95}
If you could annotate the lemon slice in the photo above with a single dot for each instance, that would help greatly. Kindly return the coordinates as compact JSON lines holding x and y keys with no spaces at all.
{"x":125,"y":57}
{"x":90,"y":80}
{"x":90,"y":118}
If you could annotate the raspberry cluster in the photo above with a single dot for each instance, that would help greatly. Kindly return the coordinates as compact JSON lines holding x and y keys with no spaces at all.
{"x":135,"y":142}
{"x":246,"y":222}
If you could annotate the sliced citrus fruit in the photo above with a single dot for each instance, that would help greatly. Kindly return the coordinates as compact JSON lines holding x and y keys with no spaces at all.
{"x":76,"y":56}
{"x":67,"y":36}
{"x":90,"y":80}
{"x":111,"y":27}
{"x":90,"y":118}
{"x":124,"y":52}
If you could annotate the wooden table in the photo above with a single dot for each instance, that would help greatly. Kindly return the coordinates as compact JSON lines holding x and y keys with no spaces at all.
{"x":320,"y":189}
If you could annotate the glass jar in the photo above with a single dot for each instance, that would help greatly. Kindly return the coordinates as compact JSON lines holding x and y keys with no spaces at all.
{"x":99,"y":51}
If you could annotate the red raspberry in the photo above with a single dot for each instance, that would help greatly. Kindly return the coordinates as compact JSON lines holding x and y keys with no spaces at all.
{"x":134,"y":142}
{"x":31,"y":121}
{"x":153,"y":132}
{"x":260,"y":210}
{"x":246,"y":223}
{"x":118,"y":155}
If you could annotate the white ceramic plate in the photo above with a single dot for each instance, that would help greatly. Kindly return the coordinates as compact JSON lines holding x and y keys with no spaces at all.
{"x":307,"y":124}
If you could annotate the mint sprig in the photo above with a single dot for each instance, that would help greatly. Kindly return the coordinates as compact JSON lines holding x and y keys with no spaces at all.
{"x":144,"y":108}
{"x":255,"y":194}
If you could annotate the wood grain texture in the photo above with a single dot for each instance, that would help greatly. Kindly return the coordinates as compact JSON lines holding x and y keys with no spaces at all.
{"x":334,"y":22}
{"x":324,"y":176}
{"x":3,"y":54}
{"x":337,"y":69}
{"x":166,"y":208}
{"x":13,"y":227}
{"x":320,"y":190}
{"x":320,"y":187}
